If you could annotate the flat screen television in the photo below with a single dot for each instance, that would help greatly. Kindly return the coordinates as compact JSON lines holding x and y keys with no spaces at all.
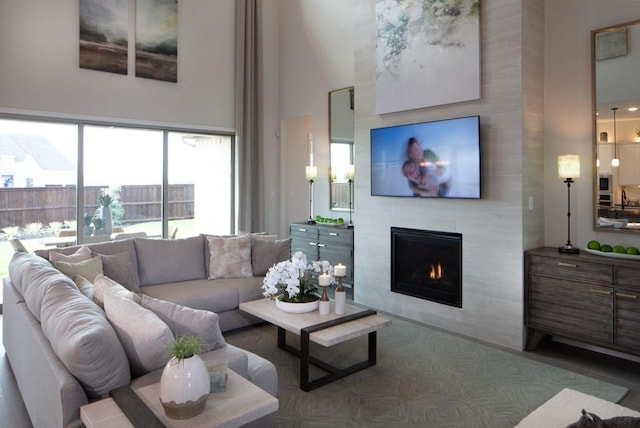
{"x":439,"y":159}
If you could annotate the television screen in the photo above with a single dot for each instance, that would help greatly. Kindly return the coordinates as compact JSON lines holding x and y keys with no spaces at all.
{"x":439,"y":159}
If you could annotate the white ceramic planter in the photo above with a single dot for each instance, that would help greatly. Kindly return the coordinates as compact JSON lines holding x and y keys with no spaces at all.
{"x":297,"y":308}
{"x":184,"y":387}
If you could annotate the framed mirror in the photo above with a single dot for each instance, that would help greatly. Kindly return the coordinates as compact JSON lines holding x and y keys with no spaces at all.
{"x":616,"y":104}
{"x":341,"y":132}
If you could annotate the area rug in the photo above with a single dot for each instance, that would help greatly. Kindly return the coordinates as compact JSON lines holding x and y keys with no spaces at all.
{"x":423,"y":378}
{"x":566,"y":407}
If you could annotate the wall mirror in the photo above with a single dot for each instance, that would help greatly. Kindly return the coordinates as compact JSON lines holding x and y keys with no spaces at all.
{"x":616,"y":103}
{"x":341,"y":132}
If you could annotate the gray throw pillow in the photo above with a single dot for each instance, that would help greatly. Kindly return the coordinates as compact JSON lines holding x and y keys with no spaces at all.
{"x":158,"y":258}
{"x":103,"y":285}
{"x":184,"y":320}
{"x":230,"y":257}
{"x":145,"y":338}
{"x":265,"y":254}
{"x":119,"y":267}
{"x":83,"y":339}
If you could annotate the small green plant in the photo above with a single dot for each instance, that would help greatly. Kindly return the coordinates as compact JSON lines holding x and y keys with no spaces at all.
{"x":98,"y":223}
{"x":185,"y":346}
{"x":12,"y":231}
{"x":105,"y":200}
{"x":87,"y":219}
{"x":34,"y":229}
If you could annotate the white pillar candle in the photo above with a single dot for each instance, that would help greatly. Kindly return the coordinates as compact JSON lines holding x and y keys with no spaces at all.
{"x":324,"y":279}
{"x":340,"y":270}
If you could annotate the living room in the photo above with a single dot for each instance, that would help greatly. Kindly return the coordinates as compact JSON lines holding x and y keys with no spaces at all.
{"x":535,"y":105}
{"x":540,"y":102}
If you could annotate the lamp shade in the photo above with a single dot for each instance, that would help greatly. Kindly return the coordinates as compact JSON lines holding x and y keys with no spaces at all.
{"x":569,"y":166}
{"x":349,"y":172}
{"x":311,"y":172}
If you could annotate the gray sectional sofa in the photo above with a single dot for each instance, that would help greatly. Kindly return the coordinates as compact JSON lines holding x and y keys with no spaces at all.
{"x":65,"y":350}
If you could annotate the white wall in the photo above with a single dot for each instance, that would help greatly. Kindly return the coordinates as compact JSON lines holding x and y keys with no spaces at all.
{"x":39,"y":70}
{"x":568,"y":112}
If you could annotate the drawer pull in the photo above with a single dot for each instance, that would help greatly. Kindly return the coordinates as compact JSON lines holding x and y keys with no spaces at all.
{"x":607,"y":293}
{"x":302,"y":230}
{"x":333,"y":234}
{"x":629,"y":296}
{"x":322,"y":245}
{"x":315,"y":244}
{"x":567,"y":264}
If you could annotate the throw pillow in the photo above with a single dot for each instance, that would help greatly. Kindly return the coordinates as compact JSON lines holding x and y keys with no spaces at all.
{"x":83,"y":253}
{"x":265,"y":254}
{"x":145,"y":338}
{"x":230,"y":257}
{"x":83,"y":339}
{"x":184,"y":320}
{"x":88,"y":268}
{"x":104,"y":285}
{"x":84,"y":285}
{"x":153,"y":254}
{"x":118,"y":267}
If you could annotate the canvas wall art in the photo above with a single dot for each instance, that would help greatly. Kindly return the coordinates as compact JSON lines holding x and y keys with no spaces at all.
{"x":157,"y":39}
{"x":104,"y":27}
{"x":427,"y":53}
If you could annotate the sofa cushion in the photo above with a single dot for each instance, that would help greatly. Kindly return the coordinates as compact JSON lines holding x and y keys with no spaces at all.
{"x":103,"y":285}
{"x":266,"y":253}
{"x":119,"y":267}
{"x":81,"y":254}
{"x":32,"y":276}
{"x":158,"y":260}
{"x":84,"y":285}
{"x":229,"y":257}
{"x":184,"y":320}
{"x":145,"y":338}
{"x":88,"y":268}
{"x":83,"y":339}
{"x":209,"y":295}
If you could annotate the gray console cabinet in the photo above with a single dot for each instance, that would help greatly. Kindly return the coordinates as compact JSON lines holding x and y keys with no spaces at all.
{"x":584,"y":297}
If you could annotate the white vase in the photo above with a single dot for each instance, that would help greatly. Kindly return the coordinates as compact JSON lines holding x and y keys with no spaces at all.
{"x":184,"y":387}
{"x":341,"y":297}
{"x":107,"y":218}
{"x":296,"y":308}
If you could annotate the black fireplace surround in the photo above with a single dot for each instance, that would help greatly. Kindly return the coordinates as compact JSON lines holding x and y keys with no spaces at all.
{"x":427,"y":264}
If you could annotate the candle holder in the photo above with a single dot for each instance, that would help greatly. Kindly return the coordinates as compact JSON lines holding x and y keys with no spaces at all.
{"x":325,"y":304}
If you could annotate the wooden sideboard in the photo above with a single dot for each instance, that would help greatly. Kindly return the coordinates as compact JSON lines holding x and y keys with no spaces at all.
{"x":319,"y":242}
{"x":584,"y":297}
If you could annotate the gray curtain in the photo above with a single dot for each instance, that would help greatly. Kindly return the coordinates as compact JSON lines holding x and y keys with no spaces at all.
{"x":248,"y":115}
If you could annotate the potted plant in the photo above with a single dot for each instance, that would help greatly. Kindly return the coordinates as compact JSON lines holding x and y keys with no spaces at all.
{"x":290,"y":284}
{"x":87,"y":220}
{"x":105,"y":200}
{"x":184,"y":384}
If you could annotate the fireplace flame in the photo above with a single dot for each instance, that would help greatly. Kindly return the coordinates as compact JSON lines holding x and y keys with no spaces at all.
{"x":435,"y":273}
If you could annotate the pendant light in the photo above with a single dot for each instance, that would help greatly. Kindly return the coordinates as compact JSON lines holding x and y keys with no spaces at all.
{"x":615,"y":161}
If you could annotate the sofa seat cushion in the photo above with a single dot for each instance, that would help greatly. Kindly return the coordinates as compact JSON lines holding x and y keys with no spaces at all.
{"x":83,"y":339}
{"x":159,"y":259}
{"x":217,"y":295}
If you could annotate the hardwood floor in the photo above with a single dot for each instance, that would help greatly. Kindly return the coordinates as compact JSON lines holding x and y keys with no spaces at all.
{"x":600,"y":366}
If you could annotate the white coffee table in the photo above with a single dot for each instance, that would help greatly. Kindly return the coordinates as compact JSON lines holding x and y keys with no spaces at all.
{"x":241,"y":403}
{"x":326,"y":330}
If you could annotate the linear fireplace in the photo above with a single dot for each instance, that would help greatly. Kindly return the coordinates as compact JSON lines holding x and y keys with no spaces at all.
{"x":427,"y":264}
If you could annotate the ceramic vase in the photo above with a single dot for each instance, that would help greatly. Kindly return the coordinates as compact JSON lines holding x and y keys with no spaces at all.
{"x":107,"y":219}
{"x":341,"y":297}
{"x":184,"y":387}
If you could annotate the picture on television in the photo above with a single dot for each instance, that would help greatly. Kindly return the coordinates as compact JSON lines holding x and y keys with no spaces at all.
{"x":439,"y":159}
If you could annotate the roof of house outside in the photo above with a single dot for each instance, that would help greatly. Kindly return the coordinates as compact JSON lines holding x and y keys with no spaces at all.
{"x":43,"y":152}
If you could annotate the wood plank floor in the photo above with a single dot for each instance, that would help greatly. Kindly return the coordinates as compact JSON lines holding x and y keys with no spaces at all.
{"x":605,"y":367}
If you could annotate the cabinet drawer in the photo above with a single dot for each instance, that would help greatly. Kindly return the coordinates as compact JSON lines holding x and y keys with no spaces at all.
{"x":302,"y":231}
{"x":627,"y":319}
{"x":627,"y":277}
{"x":575,"y":270}
{"x":336,"y":236}
{"x":571,"y":309}
{"x":335,"y":254}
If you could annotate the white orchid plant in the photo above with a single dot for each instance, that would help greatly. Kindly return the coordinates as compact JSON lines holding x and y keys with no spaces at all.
{"x":291,"y":279}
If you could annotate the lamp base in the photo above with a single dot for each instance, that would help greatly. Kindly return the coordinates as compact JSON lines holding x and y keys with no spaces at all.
{"x":310,"y":221}
{"x":349,"y":226}
{"x":568,"y":249}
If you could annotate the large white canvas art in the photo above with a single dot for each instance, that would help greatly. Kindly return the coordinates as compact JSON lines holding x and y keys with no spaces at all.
{"x":427,"y":53}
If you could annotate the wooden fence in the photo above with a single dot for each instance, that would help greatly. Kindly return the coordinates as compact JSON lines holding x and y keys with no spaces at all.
{"x":21,"y":206}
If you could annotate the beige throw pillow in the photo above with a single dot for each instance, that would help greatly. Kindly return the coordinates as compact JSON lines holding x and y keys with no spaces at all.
{"x":84,"y":285}
{"x":83,"y":253}
{"x":184,"y":320}
{"x":88,"y":268}
{"x":146,"y":339}
{"x":229,"y":257}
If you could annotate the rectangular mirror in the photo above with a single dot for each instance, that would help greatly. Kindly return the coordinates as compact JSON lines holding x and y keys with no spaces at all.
{"x":616,"y":99}
{"x":341,"y":132}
